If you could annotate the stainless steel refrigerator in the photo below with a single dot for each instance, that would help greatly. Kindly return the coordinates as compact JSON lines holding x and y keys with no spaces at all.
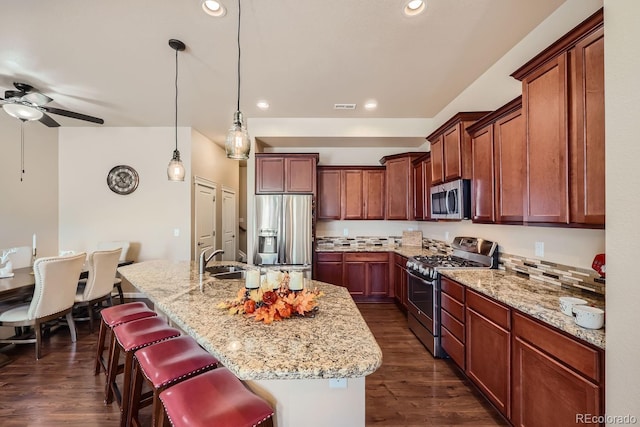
{"x":283,"y":232}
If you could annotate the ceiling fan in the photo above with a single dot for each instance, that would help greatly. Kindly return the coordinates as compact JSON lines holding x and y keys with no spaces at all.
{"x":26,"y":103}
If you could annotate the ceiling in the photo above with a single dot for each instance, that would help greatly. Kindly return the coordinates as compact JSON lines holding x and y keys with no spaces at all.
{"x":111,"y":59}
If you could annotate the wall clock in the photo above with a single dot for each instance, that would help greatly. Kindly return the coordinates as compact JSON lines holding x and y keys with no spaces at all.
{"x":122,"y":179}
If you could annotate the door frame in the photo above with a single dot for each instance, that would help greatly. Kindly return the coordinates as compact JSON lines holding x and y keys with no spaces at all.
{"x":199,"y":181}
{"x":235,"y":222}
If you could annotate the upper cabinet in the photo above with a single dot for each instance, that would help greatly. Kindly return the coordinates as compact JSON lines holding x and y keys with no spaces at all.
{"x":286,"y":173}
{"x":451,"y":148}
{"x":498,"y":154}
{"x":351,"y":192}
{"x":399,"y":185}
{"x":422,"y":187}
{"x":563,"y":107}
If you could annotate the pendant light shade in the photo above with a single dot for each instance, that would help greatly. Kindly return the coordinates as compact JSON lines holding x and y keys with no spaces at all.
{"x":238,"y":143}
{"x":175,"y":170}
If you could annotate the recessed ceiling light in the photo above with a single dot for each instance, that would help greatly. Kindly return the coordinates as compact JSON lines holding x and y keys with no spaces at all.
{"x":263,"y":105}
{"x":370,"y":105}
{"x":414,"y":7}
{"x":213,"y":8}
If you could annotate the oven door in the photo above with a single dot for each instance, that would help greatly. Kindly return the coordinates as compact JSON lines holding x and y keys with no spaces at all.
{"x":423,"y":302}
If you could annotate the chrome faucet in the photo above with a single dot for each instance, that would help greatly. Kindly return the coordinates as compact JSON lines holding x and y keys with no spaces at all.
{"x":203,"y":262}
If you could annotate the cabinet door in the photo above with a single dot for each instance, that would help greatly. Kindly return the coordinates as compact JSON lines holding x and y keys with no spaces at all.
{"x":400,"y":280}
{"x":329,"y":268}
{"x":329,"y":192}
{"x":352,"y":196}
{"x":587,"y":131}
{"x":377,"y":278}
{"x":399,"y":188}
{"x":437,"y":161}
{"x":546,"y":392}
{"x":544,"y":99}
{"x":373,"y":188}
{"x":482,"y":196}
{"x":269,"y":175}
{"x":418,"y":192}
{"x":452,"y":153}
{"x":426,"y":173}
{"x":488,"y":365}
{"x":355,"y":277}
{"x":511,"y":166}
{"x":300,"y":175}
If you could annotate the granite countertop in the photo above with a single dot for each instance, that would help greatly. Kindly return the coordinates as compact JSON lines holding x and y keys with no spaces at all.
{"x":533,"y":297}
{"x":336,"y":343}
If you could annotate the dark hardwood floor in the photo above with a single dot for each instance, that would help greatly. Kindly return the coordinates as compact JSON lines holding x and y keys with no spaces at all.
{"x":410,"y":388}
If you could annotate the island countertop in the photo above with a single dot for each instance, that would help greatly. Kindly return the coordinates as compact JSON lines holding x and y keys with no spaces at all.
{"x":336,"y":343}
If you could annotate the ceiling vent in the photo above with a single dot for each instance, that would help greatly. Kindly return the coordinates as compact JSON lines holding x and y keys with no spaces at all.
{"x":344,"y":106}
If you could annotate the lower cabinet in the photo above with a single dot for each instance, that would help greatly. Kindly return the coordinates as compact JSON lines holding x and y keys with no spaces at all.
{"x":453,"y":321}
{"x":488,"y":348}
{"x":399,"y":277}
{"x":364,"y":274}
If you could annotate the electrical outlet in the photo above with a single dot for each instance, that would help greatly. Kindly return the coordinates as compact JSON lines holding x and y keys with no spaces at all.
{"x":176,"y":232}
{"x":539,"y":248}
{"x":345,"y":232}
{"x":446,"y":235}
{"x":337,"y":383}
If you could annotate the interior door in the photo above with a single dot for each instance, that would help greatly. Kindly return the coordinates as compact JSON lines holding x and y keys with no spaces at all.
{"x":229,"y":224}
{"x":205,"y":218}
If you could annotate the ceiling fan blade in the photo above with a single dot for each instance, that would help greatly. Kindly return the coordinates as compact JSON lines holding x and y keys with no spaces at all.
{"x":37,"y":98}
{"x":48,"y":121}
{"x":73,"y":115}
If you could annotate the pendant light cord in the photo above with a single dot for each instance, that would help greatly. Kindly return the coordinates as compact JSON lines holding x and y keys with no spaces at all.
{"x":21,"y":150}
{"x":239,"y":13}
{"x":176,"y":103}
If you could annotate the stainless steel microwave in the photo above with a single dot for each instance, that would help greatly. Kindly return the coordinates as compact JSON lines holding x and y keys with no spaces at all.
{"x":451,"y":200}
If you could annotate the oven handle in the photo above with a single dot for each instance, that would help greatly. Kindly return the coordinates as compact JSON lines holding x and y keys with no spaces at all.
{"x":422,"y":279}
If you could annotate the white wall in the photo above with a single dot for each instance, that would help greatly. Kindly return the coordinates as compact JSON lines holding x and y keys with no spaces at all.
{"x":622,"y":104}
{"x":30,"y":206}
{"x":89,"y":212}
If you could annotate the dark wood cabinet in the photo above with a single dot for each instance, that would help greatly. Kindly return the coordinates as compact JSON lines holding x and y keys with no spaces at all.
{"x":498,"y":154}
{"x":563,"y":106}
{"x":286,"y":173}
{"x":422,"y":188}
{"x":453,"y":321}
{"x":366,"y":274}
{"x":399,"y":185}
{"x":351,"y":192}
{"x":399,"y":281}
{"x":554,"y":377}
{"x":328,"y":267}
{"x":451,"y":148}
{"x":488,"y":348}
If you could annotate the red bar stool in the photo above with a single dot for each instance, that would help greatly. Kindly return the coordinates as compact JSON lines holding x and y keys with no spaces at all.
{"x":162,"y":365}
{"x":114,"y":316}
{"x":214,"y":398}
{"x":129,"y":337}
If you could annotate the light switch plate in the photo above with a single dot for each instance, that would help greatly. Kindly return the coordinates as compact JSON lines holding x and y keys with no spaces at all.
{"x":539,"y":248}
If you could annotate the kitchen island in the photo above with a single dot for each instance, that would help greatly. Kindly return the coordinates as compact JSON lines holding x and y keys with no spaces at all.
{"x":311,"y":370}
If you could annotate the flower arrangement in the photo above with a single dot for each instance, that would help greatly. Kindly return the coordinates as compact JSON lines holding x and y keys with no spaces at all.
{"x":267,"y":305}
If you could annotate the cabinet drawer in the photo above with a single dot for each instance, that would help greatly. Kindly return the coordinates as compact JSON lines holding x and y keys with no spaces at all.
{"x":453,"y":325}
{"x":329,"y":256}
{"x":453,"y":347}
{"x":366,"y":257}
{"x":496,"y":312}
{"x":453,"y":307}
{"x":452,"y":288}
{"x":580,"y":357}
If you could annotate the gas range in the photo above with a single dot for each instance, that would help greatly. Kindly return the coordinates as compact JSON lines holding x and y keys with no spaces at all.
{"x":468,"y":252}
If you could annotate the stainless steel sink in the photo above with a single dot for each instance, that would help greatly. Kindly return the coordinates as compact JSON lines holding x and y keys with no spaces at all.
{"x":217,"y":269}
{"x":237,"y":274}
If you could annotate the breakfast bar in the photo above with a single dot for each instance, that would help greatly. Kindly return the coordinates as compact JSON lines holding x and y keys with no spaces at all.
{"x":310,"y":369}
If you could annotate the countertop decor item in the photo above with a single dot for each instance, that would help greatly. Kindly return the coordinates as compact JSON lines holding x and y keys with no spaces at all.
{"x":589,"y":317}
{"x":568,"y":303}
{"x":123,"y":179}
{"x":237,"y":143}
{"x":267,"y":305}
{"x":599,"y":265}
{"x":175,"y":169}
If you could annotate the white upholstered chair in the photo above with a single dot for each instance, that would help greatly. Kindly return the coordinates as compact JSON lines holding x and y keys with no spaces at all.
{"x":124,"y":245}
{"x":99,"y":284}
{"x":53,"y":297}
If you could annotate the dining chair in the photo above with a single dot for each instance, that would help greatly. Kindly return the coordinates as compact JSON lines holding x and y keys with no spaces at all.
{"x":124,"y":245}
{"x":53,"y":298}
{"x":102,"y":266}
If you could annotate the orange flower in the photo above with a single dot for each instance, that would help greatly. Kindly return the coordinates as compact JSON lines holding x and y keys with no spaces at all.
{"x":269,"y":297}
{"x":249,"y":306}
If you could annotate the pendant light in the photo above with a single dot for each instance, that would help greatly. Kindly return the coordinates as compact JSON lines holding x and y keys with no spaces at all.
{"x":237,"y":143}
{"x":175,"y":170}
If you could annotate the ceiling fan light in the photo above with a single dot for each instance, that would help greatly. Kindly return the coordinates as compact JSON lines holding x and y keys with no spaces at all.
{"x":213,"y":8}
{"x":237,"y":143}
{"x":175,"y":169}
{"x":23,"y":112}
